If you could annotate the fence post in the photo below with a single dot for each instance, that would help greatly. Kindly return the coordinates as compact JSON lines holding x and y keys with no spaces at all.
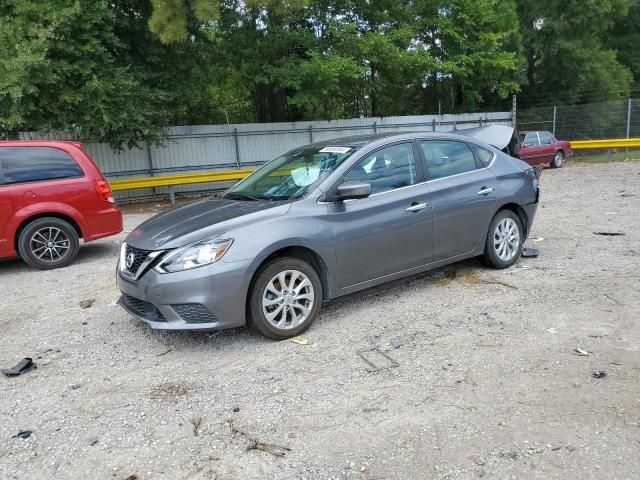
{"x":555,"y":112}
{"x":310,"y":134}
{"x":626,"y":150}
{"x":375,"y":127}
{"x":150,"y":162}
{"x":480,"y":120}
{"x":434,"y":125}
{"x":513,"y":111}
{"x":235,"y":140}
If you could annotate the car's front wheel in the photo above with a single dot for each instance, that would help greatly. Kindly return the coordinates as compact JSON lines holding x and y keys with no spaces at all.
{"x":558,"y":160}
{"x":48,"y":243}
{"x":504,"y":240}
{"x":285,"y":298}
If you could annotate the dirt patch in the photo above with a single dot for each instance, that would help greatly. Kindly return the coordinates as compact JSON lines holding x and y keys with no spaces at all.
{"x":169,"y":391}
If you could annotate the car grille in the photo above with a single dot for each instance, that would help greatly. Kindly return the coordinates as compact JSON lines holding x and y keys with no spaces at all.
{"x":143,"y":309}
{"x":194,"y":313}
{"x":139,"y":257}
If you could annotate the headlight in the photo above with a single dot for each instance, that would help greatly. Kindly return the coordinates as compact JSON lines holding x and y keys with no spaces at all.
{"x":193,"y":256}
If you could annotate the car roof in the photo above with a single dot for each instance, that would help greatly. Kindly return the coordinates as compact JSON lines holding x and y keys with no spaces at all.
{"x":362,"y":140}
{"x":39,"y":143}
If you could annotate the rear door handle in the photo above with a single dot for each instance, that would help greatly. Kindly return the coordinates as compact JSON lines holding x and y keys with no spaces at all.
{"x":485,"y":190}
{"x":416,"y":207}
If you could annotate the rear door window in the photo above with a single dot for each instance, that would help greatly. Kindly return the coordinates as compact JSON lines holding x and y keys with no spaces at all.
{"x":36,"y":164}
{"x":447,"y":157}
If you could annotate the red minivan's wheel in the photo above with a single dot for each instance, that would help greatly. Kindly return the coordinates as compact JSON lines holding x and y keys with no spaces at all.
{"x":48,"y":243}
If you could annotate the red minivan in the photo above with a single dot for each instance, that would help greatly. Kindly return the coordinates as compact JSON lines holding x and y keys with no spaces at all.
{"x":51,"y":195}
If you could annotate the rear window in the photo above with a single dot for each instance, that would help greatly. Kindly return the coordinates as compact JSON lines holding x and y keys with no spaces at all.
{"x":484,"y":155}
{"x":35,"y":164}
{"x":546,"y":138}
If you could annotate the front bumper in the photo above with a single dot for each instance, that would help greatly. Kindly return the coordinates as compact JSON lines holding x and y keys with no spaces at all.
{"x":205,"y":298}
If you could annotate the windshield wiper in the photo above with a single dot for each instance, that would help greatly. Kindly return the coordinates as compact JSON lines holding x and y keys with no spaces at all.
{"x":244,"y":197}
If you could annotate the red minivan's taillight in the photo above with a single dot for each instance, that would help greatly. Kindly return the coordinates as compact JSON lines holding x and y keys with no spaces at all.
{"x":104,"y":191}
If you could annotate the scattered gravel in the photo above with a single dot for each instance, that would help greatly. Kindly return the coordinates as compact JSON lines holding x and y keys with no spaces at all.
{"x":488,"y":383}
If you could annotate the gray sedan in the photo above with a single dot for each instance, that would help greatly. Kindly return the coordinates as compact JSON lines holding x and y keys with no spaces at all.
{"x":323,"y":221}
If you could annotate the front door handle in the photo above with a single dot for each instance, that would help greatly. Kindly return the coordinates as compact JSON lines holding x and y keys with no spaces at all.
{"x":485,"y":190}
{"x":416,"y":207}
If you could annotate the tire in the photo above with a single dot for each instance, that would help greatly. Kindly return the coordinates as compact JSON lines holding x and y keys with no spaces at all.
{"x":558,"y":160}
{"x":294,"y":312}
{"x":494,"y":255}
{"x":35,"y":240}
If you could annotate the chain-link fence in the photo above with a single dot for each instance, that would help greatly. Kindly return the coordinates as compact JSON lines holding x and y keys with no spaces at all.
{"x":603,"y":120}
{"x":613,"y":119}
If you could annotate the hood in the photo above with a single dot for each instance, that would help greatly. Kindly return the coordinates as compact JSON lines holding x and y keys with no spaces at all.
{"x":502,"y":137}
{"x":199,"y":221}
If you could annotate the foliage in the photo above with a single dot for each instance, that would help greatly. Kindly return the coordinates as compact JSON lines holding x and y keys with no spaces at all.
{"x":568,"y":57}
{"x":120,"y":71}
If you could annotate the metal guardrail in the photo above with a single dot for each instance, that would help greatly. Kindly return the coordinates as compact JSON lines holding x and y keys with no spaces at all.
{"x":225,"y":175}
{"x":606,"y":143}
{"x":172,"y":180}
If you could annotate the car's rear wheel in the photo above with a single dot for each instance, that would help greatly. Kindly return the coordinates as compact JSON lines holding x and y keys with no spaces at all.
{"x":285,"y":298}
{"x":48,"y":243}
{"x":558,"y":160}
{"x":504,"y":240}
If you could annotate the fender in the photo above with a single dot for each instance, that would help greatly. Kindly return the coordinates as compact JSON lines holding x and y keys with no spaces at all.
{"x":325,"y":253}
{"x":37,"y":209}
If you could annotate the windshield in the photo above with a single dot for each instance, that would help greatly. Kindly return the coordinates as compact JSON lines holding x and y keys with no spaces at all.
{"x":292,"y":175}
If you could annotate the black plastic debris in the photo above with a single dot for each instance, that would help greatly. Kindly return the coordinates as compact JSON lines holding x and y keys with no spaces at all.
{"x":610,"y":234}
{"x":23,"y":366}
{"x":236,"y":409}
{"x":23,"y":434}
{"x":599,"y":374}
{"x":530,"y":252}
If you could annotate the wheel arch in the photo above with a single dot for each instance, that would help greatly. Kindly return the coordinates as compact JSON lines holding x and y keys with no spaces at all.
{"x":519,"y":211}
{"x":32,"y":218}
{"x":302,"y":253}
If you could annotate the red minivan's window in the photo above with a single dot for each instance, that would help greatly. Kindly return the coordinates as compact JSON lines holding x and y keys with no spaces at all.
{"x":35,"y":164}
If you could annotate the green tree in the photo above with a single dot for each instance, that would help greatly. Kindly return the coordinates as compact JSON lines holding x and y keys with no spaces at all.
{"x":568,"y":58}
{"x":478,"y":50}
{"x":93,"y":68}
{"x":624,"y":38}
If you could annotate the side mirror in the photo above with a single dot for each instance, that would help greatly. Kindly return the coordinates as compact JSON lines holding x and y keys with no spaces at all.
{"x":352,"y":190}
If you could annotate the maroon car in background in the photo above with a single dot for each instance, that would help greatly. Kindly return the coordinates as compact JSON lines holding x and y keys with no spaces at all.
{"x":541,"y":147}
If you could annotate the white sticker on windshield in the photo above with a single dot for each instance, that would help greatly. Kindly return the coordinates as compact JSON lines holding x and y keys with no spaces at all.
{"x":335,"y":149}
{"x":305,"y":176}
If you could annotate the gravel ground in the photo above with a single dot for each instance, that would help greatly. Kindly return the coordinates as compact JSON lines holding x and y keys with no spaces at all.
{"x":487,"y":384}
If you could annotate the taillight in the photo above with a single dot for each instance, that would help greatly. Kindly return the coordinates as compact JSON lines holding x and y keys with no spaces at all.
{"x":104,"y":191}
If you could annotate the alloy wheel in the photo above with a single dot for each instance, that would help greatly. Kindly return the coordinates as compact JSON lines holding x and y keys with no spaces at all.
{"x":50,"y":244}
{"x":506,"y":239}
{"x":557,"y":160}
{"x":287,"y":300}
